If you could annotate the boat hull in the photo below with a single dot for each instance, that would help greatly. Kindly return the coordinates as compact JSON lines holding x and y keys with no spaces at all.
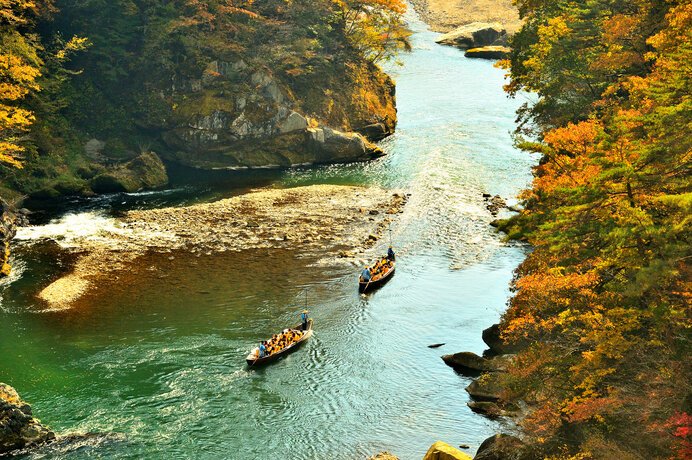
{"x":254,"y":362}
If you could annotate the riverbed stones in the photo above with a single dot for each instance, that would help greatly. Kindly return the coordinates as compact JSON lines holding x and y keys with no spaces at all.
{"x":18,"y":427}
{"x":443,"y":451}
{"x":474,"y":35}
{"x":319,"y":219}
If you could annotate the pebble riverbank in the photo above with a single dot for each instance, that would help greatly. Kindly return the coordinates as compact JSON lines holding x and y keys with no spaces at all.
{"x":338,"y":222}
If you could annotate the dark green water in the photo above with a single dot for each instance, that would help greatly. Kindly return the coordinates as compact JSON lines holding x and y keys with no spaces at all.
{"x":160,"y":359}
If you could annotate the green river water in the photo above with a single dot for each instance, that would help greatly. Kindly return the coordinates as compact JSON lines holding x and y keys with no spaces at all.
{"x":159,"y":361}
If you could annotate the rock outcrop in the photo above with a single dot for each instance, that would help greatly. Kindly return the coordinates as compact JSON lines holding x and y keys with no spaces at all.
{"x":18,"y":427}
{"x":144,"y":172}
{"x":488,"y":52}
{"x":443,"y":451}
{"x":474,"y":35}
{"x":470,"y":361}
{"x":501,"y":447}
{"x":260,"y":127}
{"x":488,"y":408}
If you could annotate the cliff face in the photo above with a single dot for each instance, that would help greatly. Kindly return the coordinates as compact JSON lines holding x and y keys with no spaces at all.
{"x":235,"y":115}
{"x":204,"y":85}
{"x":9,"y":219}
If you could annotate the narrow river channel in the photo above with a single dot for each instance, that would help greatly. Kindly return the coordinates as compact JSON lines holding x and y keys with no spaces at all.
{"x":160,"y":361}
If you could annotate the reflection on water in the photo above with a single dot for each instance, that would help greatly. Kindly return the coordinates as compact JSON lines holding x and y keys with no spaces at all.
{"x":157,"y":354}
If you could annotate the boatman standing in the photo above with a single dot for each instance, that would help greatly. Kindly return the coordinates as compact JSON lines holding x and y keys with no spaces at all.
{"x":305,"y":320}
{"x":262,"y":350}
{"x":365,"y":275}
{"x":390,"y":253}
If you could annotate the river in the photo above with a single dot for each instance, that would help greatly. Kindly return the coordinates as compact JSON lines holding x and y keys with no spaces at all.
{"x":160,"y":359}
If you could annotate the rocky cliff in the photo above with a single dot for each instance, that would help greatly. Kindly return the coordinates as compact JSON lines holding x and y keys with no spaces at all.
{"x":18,"y":426}
{"x":9,"y":219}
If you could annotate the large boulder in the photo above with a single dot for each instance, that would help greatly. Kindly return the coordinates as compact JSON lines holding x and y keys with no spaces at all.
{"x":488,"y":52}
{"x":144,"y":172}
{"x":443,"y":451}
{"x":470,"y":361}
{"x":474,"y":35}
{"x":501,"y":447}
{"x":18,"y":427}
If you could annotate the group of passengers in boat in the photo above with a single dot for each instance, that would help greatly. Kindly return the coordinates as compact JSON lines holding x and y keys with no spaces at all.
{"x":380,"y":268}
{"x":280,"y":341}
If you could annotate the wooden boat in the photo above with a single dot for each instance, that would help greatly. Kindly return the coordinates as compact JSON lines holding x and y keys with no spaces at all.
{"x":253,"y":360}
{"x":364,"y":286}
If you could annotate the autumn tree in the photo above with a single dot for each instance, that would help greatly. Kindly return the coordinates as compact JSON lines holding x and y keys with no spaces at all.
{"x":604,"y":297}
{"x":19,"y":69}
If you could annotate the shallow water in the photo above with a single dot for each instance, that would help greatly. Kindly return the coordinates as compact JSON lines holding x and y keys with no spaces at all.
{"x":157,"y":355}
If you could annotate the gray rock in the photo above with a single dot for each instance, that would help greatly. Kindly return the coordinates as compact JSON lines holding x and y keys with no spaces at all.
{"x":474,"y":35}
{"x":294,"y":122}
{"x":93,"y":148}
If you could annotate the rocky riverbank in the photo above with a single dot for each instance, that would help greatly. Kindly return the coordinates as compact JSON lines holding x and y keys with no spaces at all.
{"x":338,"y":223}
{"x":446,"y":15}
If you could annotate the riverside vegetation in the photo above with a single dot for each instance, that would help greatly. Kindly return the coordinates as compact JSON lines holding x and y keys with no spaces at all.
{"x":89,"y":86}
{"x":601,"y":309}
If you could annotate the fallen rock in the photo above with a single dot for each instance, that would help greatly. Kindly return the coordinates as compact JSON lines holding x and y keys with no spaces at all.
{"x":18,"y":427}
{"x":500,"y":447}
{"x":470,"y":361}
{"x":486,"y":388}
{"x":144,"y":172}
{"x":474,"y":35}
{"x":443,"y":451}
{"x":488,"y":52}
{"x":488,"y":408}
